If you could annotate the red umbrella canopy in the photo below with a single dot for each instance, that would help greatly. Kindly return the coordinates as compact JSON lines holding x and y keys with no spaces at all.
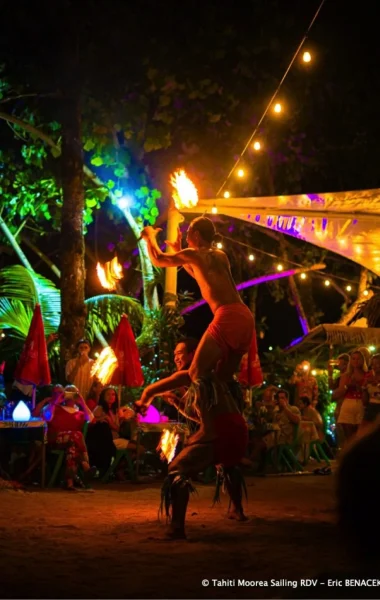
{"x":129,"y":371}
{"x":33,"y":366}
{"x":250,"y":371}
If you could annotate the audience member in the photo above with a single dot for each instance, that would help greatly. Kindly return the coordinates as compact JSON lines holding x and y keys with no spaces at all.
{"x":78,"y":370}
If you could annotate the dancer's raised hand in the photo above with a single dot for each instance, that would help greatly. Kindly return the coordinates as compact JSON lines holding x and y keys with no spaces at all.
{"x":150,"y":232}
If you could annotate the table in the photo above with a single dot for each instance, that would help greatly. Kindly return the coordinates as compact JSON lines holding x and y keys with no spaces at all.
{"x":181,"y":429}
{"x":31,"y":424}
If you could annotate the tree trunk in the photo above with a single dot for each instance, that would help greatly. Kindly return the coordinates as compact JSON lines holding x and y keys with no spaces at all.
{"x":355,"y":307}
{"x":73,"y":315}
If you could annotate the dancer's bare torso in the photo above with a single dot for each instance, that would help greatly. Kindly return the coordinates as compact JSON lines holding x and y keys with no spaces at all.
{"x":211,"y":270}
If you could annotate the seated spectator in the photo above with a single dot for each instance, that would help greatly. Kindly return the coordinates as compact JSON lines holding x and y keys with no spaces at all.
{"x":104,"y":437}
{"x":92,"y":399}
{"x":66,"y":414}
{"x":309,"y":413}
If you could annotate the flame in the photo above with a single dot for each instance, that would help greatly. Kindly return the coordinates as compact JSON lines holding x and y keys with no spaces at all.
{"x":168,"y":444}
{"x":110,"y":274}
{"x":185,"y":193}
{"x":104,"y":366}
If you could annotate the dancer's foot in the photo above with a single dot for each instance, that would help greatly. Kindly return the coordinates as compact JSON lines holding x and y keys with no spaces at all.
{"x":237,"y":515}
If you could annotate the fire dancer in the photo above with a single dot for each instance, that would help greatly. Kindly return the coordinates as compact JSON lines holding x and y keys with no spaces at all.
{"x":221,"y":439}
{"x":229,"y":335}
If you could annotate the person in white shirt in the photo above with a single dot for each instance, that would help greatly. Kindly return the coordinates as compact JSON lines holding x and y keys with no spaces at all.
{"x":78,"y":370}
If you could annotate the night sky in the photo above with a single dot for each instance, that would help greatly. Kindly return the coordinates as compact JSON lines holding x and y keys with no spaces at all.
{"x":327,"y":140}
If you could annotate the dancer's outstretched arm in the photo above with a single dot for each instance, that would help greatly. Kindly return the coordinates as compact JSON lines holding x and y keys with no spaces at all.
{"x":161,"y":259}
{"x":177,"y":380}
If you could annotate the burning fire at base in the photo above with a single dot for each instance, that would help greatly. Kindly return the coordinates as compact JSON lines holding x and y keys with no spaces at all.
{"x":104,"y":366}
{"x":185,"y":193}
{"x":110,"y":274}
{"x":168,"y":444}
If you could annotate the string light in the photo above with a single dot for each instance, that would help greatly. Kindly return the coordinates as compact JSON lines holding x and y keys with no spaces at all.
{"x":348,"y":288}
{"x":303,"y":276}
{"x":251,"y":257}
{"x":306,"y":57}
{"x":240,"y":173}
{"x":257,"y":146}
{"x":277,"y":107}
{"x":280,"y":267}
{"x":226,"y":194}
{"x":270,"y":348}
{"x":327,"y":282}
{"x":219,"y":245}
{"x":274,"y":95}
{"x":214,"y":210}
{"x":314,"y":372}
{"x":365,"y":293}
{"x":372,"y":348}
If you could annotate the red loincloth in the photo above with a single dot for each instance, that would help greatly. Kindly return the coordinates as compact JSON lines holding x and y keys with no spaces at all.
{"x":232,"y":328}
{"x":232,"y":439}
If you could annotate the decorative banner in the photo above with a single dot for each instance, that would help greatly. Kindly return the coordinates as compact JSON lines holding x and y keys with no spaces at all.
{"x":110,"y":274}
{"x":185,"y":193}
{"x":33,"y":366}
{"x":104,"y":366}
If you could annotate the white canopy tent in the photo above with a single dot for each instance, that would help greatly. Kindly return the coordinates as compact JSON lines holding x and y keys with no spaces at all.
{"x":347,"y":223}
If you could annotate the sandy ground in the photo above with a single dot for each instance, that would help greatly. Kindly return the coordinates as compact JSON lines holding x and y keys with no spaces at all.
{"x":103,"y":545}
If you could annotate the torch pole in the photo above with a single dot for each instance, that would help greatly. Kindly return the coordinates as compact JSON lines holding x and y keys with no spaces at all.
{"x":174,"y":219}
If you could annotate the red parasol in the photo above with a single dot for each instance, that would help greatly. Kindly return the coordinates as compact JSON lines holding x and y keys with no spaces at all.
{"x":129,"y":371}
{"x":250,"y":371}
{"x":33,"y":366}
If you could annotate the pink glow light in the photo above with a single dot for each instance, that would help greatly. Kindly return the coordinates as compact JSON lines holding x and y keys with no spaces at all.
{"x":152,"y":416}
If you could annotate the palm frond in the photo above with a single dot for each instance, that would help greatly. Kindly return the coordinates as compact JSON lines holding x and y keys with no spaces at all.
{"x":104,"y":312}
{"x":26,"y":286}
{"x":15,"y":317}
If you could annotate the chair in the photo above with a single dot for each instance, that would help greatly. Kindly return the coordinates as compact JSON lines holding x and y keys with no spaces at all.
{"x":286,"y":455}
{"x":120,"y":454}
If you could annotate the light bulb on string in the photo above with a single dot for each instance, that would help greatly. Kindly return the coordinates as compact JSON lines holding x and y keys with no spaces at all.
{"x":366,"y":292}
{"x":219,"y":245}
{"x":251,"y":257}
{"x":280,"y":267}
{"x":214,"y":210}
{"x":240,"y":173}
{"x":277,"y":107}
{"x":257,"y":146}
{"x":303,"y":275}
{"x":226,"y":194}
{"x":327,"y":282}
{"x":348,"y":288}
{"x":306,"y":57}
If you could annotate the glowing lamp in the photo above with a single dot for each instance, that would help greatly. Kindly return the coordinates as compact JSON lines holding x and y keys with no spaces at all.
{"x":270,"y":348}
{"x":305,"y":367}
{"x":185,"y":194}
{"x":306,"y":57}
{"x":152,"y":416}
{"x":214,"y":210}
{"x":240,"y":173}
{"x":257,"y":146}
{"x":327,"y":282}
{"x":21,"y":412}
{"x":303,"y":275}
{"x":251,"y":257}
{"x":365,"y":293}
{"x":219,"y":245}
{"x":348,"y":288}
{"x":372,"y":348}
{"x":277,"y":108}
{"x":226,"y":194}
{"x":314,"y":372}
{"x":280,"y":268}
{"x":124,"y":202}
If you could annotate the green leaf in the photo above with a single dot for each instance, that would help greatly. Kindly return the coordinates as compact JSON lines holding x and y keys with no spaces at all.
{"x":110,"y":184}
{"x":154,"y":212}
{"x":91,"y":203}
{"x":89,"y":145}
{"x":97,"y":161}
{"x":56,"y":152}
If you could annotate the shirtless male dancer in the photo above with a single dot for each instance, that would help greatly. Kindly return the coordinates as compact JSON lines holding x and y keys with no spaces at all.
{"x":222,"y":437}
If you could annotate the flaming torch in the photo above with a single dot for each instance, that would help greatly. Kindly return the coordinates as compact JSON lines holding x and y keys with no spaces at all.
{"x":185,"y":195}
{"x":104,"y":366}
{"x":110,"y":274}
{"x":168,"y":444}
